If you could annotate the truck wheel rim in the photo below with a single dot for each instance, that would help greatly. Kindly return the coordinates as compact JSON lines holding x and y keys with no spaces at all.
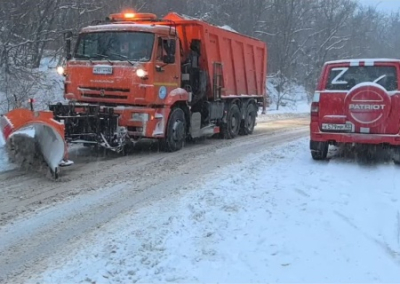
{"x":178,"y":130}
{"x":250,"y":121}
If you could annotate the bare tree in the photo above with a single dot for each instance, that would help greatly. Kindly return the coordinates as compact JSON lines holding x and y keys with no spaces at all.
{"x":301,"y":34}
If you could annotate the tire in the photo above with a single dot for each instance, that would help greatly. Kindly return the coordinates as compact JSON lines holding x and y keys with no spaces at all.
{"x":319,"y":150}
{"x":249,"y":122}
{"x":175,"y":132}
{"x":230,"y":129}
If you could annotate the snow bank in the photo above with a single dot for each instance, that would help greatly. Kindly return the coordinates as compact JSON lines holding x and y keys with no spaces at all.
{"x":43,"y":84}
{"x":49,"y":89}
{"x":274,"y":217}
{"x":294,"y":104}
{"x":5,"y":165}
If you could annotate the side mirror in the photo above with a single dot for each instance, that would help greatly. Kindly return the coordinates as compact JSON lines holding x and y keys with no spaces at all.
{"x":68,"y":39}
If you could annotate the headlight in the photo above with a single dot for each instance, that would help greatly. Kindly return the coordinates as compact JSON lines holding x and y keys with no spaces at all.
{"x":60,"y":70}
{"x":141,"y":73}
{"x":140,"y":117}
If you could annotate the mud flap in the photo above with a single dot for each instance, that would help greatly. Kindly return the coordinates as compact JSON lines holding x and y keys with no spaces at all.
{"x":319,"y":150}
{"x":33,"y":139}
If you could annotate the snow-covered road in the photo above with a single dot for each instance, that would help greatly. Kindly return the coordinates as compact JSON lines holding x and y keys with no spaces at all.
{"x":275,"y":217}
{"x":4,"y":165}
{"x":267,"y":214}
{"x":40,"y":216}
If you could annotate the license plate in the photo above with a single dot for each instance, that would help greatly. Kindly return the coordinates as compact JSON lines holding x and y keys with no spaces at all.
{"x":337,"y":127}
{"x":102,"y":70}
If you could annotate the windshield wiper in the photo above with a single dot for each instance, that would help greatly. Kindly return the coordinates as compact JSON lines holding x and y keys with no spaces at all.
{"x":380,"y":78}
{"x":103,"y":56}
{"x":123,"y":57}
{"x":84,"y":56}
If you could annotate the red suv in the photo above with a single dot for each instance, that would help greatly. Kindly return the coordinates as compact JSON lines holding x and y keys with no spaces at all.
{"x":357,"y":101}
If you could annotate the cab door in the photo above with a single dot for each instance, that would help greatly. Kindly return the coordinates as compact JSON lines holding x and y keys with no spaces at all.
{"x":167,"y":66}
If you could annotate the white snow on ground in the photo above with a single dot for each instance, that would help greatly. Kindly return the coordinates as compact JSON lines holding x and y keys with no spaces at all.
{"x":294,"y":103}
{"x":4,"y":164}
{"x":274,"y":217}
{"x":3,"y":161}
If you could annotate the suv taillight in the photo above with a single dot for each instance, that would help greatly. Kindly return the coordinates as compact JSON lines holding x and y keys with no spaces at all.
{"x":315,"y":104}
{"x":314,"y":109}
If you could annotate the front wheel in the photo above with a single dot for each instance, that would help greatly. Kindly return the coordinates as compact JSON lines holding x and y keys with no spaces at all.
{"x":175,"y":132}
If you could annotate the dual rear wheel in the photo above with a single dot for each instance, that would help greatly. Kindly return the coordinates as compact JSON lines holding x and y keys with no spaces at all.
{"x":234,"y":124}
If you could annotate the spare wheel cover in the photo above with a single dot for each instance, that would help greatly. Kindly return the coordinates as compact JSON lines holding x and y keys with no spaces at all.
{"x":367,"y":105}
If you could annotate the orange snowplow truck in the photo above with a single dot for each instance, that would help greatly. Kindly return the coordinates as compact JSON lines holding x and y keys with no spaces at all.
{"x":136,"y":76}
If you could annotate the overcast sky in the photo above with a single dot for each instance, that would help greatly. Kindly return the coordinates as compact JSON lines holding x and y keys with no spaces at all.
{"x":384,"y":5}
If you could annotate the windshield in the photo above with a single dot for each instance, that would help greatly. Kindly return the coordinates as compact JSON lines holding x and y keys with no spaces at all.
{"x":133,"y":46}
{"x":345,"y":78}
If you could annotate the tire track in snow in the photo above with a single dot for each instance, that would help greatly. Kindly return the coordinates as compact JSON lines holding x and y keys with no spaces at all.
{"x":392,"y":253}
{"x":21,"y":192}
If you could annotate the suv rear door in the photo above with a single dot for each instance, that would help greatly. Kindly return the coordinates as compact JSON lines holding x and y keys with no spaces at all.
{"x":359,"y":98}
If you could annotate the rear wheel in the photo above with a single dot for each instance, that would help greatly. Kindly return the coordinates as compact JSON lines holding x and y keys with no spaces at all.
{"x":319,"y":150}
{"x":176,"y":131}
{"x":249,"y":122}
{"x":231,"y":128}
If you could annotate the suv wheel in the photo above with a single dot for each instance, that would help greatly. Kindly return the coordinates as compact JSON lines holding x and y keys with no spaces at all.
{"x":319,"y":150}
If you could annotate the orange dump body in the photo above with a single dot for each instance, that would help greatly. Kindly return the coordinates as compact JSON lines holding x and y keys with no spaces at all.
{"x":238,"y":62}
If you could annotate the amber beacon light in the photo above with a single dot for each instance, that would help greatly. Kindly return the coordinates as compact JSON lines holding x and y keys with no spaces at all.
{"x":132,"y":16}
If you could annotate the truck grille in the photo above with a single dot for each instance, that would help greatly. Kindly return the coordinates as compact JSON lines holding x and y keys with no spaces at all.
{"x":96,"y":92}
{"x":88,"y":89}
{"x":105,"y":96}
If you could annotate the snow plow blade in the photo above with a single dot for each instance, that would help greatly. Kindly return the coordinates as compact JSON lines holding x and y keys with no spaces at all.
{"x":34,"y":140}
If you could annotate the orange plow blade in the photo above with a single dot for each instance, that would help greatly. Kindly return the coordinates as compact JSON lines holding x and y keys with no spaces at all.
{"x":34,"y":140}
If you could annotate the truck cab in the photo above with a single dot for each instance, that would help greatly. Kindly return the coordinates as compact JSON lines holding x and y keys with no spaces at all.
{"x":356,"y":102}
{"x":124,"y":63}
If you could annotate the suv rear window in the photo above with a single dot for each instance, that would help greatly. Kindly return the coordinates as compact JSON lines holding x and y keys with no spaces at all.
{"x":345,"y":78}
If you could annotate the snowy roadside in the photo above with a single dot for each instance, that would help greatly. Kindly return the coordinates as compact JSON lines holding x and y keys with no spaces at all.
{"x":301,"y":109}
{"x":293,"y":102}
{"x":4,"y":164}
{"x":276,"y":217}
